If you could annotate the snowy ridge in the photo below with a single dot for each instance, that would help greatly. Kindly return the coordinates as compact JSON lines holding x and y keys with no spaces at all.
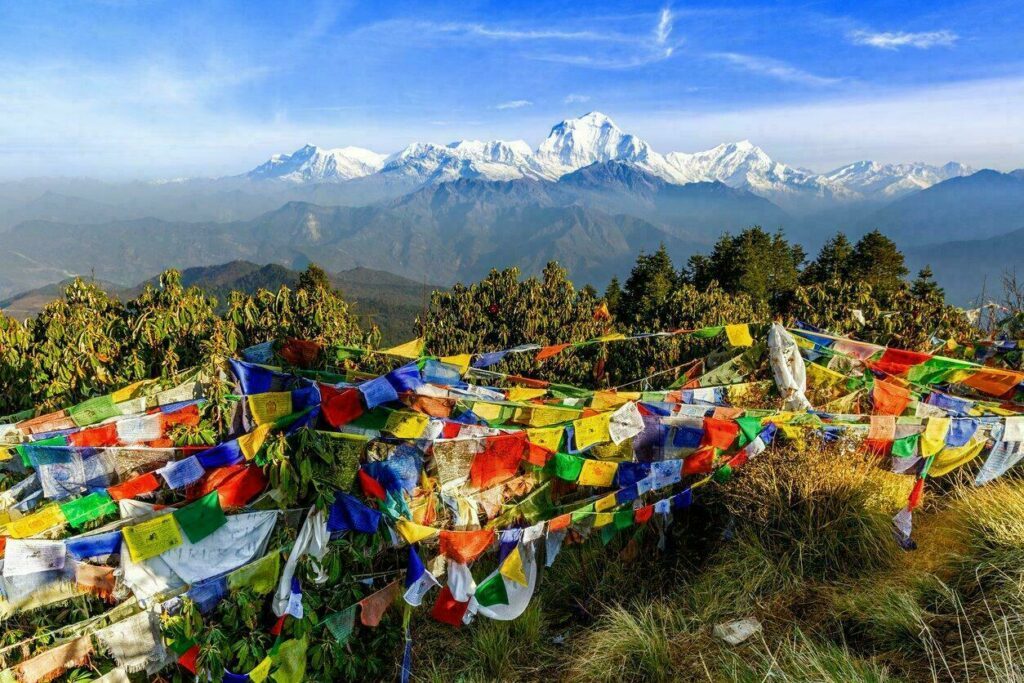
{"x":594,"y":138}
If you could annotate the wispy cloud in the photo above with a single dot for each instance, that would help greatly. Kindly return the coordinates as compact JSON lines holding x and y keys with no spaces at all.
{"x":514,"y":104}
{"x":575,"y":98}
{"x":664,"y":28}
{"x":773,"y":68}
{"x":894,"y":40}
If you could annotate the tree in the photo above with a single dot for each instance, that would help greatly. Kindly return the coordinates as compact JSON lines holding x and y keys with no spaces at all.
{"x":312,"y":278}
{"x":613,"y":295}
{"x":877,"y":261}
{"x":754,"y":262}
{"x":650,"y":282}
{"x":833,"y":261}
{"x":925,"y":286}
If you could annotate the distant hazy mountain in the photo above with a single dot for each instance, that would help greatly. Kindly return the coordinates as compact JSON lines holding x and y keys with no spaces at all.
{"x":969,"y":268}
{"x":387,"y":300}
{"x":978,"y":206}
{"x":871,"y":179}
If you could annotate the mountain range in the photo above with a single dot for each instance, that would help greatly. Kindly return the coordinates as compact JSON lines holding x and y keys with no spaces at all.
{"x":594,"y":138}
{"x":589,"y":195}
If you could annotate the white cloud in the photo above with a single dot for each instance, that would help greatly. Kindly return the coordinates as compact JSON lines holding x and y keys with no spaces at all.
{"x":887,"y":40}
{"x":664,"y":28}
{"x":514,"y":104}
{"x":773,"y":68}
{"x":975,"y":122}
{"x":574,"y":98}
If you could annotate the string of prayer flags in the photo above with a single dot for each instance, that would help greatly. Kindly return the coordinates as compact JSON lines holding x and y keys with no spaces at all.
{"x":201,"y":517}
{"x":152,"y":537}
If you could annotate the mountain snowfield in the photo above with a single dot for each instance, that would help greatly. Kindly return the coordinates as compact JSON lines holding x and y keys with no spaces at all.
{"x":594,"y":138}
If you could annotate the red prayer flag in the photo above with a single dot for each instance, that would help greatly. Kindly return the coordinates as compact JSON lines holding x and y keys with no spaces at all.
{"x":916,"y":494}
{"x":104,"y":435}
{"x":371,"y":487}
{"x":719,"y":433}
{"x":499,"y":460}
{"x":145,"y":483}
{"x":188,"y":659}
{"x":699,"y":462}
{"x":904,"y":358}
{"x":339,"y":407}
{"x":300,"y":353}
{"x":644,"y":514}
{"x":447,"y":609}
{"x":537,"y":455}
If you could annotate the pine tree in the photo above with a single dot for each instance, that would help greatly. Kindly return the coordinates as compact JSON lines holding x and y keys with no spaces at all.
{"x":613,"y":295}
{"x":649,"y":284}
{"x":925,"y":286}
{"x":833,"y":262}
{"x":877,"y":261}
{"x":754,"y":262}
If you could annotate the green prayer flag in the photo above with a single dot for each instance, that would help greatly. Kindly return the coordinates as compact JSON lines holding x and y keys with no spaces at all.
{"x":722,"y":474}
{"x":537,"y":506}
{"x":750,"y":427}
{"x":708,"y":332}
{"x":905,"y":447}
{"x":259,"y":576}
{"x":608,"y":533}
{"x":94,"y":410}
{"x":340,"y":624}
{"x":568,"y":467}
{"x":23,"y":449}
{"x":935,"y":370}
{"x":623,"y":519}
{"x":372,"y":419}
{"x":291,"y":661}
{"x":88,"y":508}
{"x":583,"y":514}
{"x":492,"y":591}
{"x":201,"y":517}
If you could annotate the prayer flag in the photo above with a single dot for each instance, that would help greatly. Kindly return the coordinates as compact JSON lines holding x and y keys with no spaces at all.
{"x":201,"y":517}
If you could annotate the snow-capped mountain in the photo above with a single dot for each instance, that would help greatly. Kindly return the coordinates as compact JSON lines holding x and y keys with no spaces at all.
{"x":594,"y":138}
{"x":869,"y":178}
{"x":430,"y":163}
{"x":313,"y":164}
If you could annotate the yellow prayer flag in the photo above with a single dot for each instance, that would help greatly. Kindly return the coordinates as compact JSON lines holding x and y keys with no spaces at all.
{"x":606,"y":503}
{"x":129,"y":392}
{"x":461,"y":361}
{"x":597,"y":473}
{"x":591,"y":430}
{"x":614,"y":336}
{"x":36,"y":523}
{"x":933,"y":438}
{"x":512,"y":568}
{"x":739,"y":335}
{"x":544,"y":416}
{"x":261,"y":671}
{"x":952,"y":458}
{"x":603,"y":519}
{"x":486,"y":411}
{"x":152,"y":537}
{"x":406,"y":425}
{"x":608,"y":400}
{"x":270,"y":406}
{"x":410,"y":349}
{"x":414,"y":533}
{"x":548,"y":437}
{"x":251,"y":443}
{"x":5,"y":453}
{"x":518,"y":394}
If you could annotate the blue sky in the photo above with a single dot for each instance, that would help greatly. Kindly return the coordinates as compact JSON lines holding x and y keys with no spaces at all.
{"x":152,"y":89}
